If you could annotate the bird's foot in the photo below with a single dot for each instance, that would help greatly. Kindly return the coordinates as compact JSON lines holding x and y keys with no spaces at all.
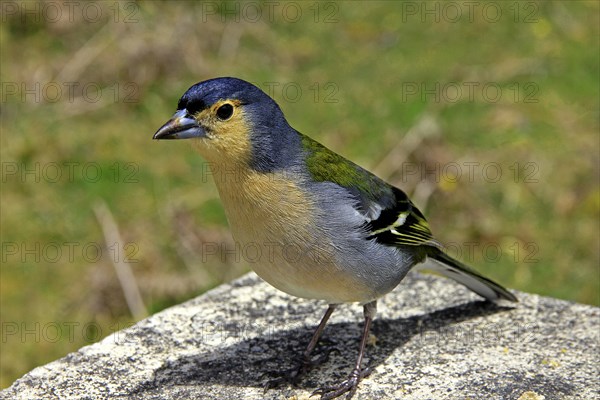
{"x":294,"y":375}
{"x":348,"y":386}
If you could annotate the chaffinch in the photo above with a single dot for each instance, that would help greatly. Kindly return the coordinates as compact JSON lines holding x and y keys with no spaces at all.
{"x":325,"y":228}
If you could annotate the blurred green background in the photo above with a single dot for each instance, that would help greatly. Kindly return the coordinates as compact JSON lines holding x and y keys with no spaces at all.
{"x":487,"y":114}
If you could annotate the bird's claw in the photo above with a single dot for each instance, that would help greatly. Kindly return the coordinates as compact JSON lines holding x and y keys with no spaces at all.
{"x":348,"y":386}
{"x":293,"y":375}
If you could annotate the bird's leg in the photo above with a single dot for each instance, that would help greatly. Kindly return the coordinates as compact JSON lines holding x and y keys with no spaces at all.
{"x":307,"y":362}
{"x":350,"y":385}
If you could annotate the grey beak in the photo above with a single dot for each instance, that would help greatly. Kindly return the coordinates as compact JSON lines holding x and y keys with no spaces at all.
{"x":180,"y":126}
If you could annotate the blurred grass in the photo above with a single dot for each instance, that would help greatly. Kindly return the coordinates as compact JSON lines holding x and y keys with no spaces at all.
{"x":542,"y":216}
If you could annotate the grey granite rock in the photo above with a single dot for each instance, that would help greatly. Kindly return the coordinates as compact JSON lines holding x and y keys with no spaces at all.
{"x":432,"y":339}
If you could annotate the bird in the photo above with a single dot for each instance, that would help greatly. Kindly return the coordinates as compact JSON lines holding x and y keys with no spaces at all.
{"x":326,"y":228}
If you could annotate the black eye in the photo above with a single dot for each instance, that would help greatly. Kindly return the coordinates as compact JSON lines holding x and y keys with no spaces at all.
{"x":225,"y":111}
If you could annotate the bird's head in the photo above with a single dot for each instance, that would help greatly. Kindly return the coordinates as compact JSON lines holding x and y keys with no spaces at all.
{"x":230,"y":121}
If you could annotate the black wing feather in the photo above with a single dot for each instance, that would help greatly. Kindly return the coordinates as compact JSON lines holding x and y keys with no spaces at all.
{"x":401,"y":224}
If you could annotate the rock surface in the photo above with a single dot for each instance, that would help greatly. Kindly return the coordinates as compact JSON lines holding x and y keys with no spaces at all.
{"x":433,"y":339}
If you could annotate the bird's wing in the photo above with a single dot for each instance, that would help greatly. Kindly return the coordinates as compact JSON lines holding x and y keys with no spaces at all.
{"x":390,"y":217}
{"x":401,"y":223}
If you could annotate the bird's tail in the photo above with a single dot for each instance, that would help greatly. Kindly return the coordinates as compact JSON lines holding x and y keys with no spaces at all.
{"x":454,"y":269}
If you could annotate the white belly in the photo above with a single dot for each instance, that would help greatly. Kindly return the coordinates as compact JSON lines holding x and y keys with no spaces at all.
{"x":272,"y":221}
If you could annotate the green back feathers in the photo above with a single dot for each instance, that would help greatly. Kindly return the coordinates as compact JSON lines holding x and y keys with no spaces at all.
{"x":325,"y":165}
{"x":399,"y":222}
